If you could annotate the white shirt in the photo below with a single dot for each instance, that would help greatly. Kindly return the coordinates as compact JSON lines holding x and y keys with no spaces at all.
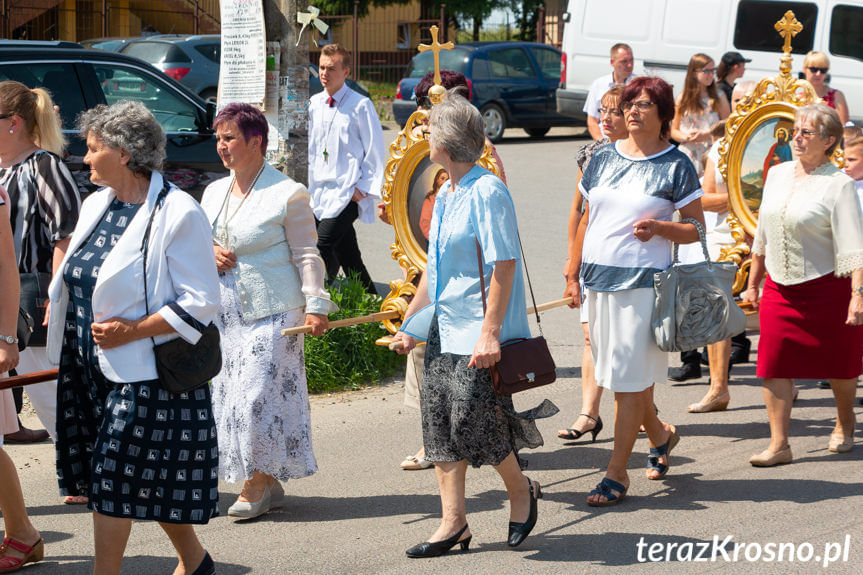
{"x":350,"y":134}
{"x":809,"y":226}
{"x":597,"y":90}
{"x":860,"y":192}
{"x":181,"y":278}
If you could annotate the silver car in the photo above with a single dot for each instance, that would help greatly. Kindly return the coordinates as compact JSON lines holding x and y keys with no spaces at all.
{"x":192,"y":60}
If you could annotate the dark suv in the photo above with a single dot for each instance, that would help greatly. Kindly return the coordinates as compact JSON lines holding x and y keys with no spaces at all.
{"x":79,"y":79}
{"x":512,"y":83}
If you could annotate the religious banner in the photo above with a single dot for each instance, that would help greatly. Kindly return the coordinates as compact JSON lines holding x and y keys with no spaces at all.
{"x":242,"y":76}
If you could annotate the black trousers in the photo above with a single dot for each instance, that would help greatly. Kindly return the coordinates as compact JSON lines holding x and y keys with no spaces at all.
{"x":337,"y":242}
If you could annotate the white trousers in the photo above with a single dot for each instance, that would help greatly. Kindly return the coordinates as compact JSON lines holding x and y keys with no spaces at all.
{"x":43,"y":396}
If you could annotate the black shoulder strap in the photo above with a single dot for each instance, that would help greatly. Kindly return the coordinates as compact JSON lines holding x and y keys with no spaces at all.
{"x":145,"y":243}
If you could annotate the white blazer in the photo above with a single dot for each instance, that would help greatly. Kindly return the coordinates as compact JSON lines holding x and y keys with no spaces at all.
{"x":183,"y":284}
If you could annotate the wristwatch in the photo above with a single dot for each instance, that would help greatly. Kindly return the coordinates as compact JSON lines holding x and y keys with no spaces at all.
{"x":9,"y":339}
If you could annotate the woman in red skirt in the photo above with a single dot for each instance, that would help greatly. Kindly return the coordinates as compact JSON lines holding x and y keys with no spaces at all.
{"x":809,"y":241}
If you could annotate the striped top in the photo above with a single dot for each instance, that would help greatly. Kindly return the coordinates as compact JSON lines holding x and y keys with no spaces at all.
{"x":43,"y":207}
{"x":622,"y":190}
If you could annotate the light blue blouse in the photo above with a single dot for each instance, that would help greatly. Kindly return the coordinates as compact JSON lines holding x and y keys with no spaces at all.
{"x":480,"y":207}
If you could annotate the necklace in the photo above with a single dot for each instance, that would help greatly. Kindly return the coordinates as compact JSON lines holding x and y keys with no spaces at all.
{"x":330,"y":127}
{"x":222,"y":237}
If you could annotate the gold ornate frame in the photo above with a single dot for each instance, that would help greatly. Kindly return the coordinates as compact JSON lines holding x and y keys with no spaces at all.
{"x":748,"y":124}
{"x":407,"y":151}
{"x":772,"y":98}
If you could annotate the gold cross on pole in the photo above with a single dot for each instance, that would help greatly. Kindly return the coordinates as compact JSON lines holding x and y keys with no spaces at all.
{"x":435,"y":47}
{"x":788,"y":27}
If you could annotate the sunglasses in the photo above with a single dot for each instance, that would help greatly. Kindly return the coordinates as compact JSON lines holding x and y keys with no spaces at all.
{"x":815,"y":70}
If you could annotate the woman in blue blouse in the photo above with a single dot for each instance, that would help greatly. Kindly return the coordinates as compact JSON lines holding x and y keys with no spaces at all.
{"x":463,"y":420}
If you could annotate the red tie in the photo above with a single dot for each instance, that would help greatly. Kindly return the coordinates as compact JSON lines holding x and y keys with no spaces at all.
{"x":331,"y":101}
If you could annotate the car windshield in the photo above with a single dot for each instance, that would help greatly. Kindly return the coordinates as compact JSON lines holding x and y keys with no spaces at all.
{"x":156,"y":52}
{"x":423,"y":63}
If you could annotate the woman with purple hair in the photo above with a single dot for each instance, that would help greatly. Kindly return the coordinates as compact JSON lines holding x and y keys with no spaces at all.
{"x":272,"y":278}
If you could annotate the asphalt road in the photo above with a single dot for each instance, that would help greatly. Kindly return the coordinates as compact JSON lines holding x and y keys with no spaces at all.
{"x":360,"y":512}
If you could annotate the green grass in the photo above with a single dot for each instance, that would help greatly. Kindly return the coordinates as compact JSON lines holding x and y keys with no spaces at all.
{"x":382,"y":95}
{"x":347,"y":358}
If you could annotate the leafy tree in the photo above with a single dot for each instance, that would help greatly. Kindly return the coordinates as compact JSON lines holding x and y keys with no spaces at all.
{"x":346,"y":7}
{"x":474,"y":11}
{"x":527,"y":13}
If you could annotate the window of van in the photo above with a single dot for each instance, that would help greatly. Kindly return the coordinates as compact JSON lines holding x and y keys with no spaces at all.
{"x":751,"y":33}
{"x":845,"y":36}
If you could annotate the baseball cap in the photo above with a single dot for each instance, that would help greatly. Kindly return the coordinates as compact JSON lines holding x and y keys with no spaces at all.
{"x":732,"y":58}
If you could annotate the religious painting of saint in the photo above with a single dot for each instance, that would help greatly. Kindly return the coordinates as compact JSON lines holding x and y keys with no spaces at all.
{"x":425,"y":181}
{"x":769,"y":145}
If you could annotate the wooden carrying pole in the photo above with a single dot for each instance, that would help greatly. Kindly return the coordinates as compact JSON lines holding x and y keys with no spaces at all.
{"x":27,"y":379}
{"x":383,"y":315}
{"x":371,"y":318}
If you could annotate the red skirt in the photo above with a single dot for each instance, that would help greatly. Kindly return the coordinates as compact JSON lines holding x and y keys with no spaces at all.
{"x":803,"y":331}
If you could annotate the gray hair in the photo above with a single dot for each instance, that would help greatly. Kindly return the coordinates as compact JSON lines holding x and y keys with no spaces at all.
{"x":826,"y":121}
{"x":457,"y":127}
{"x":127,"y":125}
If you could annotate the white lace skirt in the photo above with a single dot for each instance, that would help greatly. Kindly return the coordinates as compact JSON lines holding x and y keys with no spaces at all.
{"x":260,"y":399}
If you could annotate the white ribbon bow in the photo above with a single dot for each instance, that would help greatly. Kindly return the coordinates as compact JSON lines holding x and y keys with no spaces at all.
{"x":311,"y":17}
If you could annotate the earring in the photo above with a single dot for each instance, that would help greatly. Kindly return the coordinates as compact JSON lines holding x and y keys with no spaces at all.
{"x":11,"y":131}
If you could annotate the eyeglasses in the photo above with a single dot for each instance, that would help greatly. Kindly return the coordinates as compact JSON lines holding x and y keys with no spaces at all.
{"x":5,"y":116}
{"x":710,"y":71}
{"x":642,"y":106}
{"x":804,"y":132}
{"x":610,"y":111}
{"x":818,"y":70}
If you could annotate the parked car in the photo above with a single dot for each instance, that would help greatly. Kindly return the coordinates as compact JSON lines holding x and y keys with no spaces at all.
{"x":192,"y":60}
{"x":109,"y":43}
{"x":79,"y":79}
{"x":512,"y":83}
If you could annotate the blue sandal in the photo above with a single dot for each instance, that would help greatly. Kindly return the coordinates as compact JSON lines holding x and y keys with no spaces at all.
{"x":657,"y":452}
{"x":604,"y":488}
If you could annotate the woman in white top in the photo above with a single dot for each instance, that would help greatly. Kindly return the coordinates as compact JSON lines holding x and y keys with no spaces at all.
{"x":272,"y":277}
{"x":633,"y":187}
{"x":699,"y":106}
{"x":809,"y":239}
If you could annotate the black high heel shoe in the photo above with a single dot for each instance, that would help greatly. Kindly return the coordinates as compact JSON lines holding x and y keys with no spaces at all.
{"x":574,"y":434}
{"x":438,"y":548}
{"x":518,"y":532}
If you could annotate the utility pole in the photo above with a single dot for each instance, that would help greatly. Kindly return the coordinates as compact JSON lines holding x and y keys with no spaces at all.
{"x":280,"y":21}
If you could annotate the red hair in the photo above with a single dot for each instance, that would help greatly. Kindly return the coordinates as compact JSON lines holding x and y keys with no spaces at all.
{"x":660,"y":93}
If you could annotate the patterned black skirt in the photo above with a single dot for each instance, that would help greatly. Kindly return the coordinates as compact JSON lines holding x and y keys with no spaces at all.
{"x":136,"y":450}
{"x":462,"y":416}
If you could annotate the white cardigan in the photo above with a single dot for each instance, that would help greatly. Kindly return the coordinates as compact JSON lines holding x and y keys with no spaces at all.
{"x":181,"y":271}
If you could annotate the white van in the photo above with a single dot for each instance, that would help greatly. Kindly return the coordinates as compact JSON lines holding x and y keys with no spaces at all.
{"x":664,"y":34}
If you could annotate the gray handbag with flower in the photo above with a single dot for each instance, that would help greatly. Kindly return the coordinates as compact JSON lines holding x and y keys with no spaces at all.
{"x":694,"y":305}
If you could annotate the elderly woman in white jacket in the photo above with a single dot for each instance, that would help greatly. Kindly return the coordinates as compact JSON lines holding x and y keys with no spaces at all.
{"x":272,"y":277}
{"x":135,"y":449}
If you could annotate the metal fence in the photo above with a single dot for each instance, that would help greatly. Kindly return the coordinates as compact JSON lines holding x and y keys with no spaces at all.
{"x":380,"y":47}
{"x":51,"y":20}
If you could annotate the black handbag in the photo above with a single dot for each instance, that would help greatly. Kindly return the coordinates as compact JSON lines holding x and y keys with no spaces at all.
{"x":183,"y":366}
{"x":25,"y":328}
{"x":524,"y":363}
{"x":34,"y":294}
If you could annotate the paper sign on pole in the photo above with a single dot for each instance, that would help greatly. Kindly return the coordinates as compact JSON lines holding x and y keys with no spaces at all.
{"x":242,"y":76}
